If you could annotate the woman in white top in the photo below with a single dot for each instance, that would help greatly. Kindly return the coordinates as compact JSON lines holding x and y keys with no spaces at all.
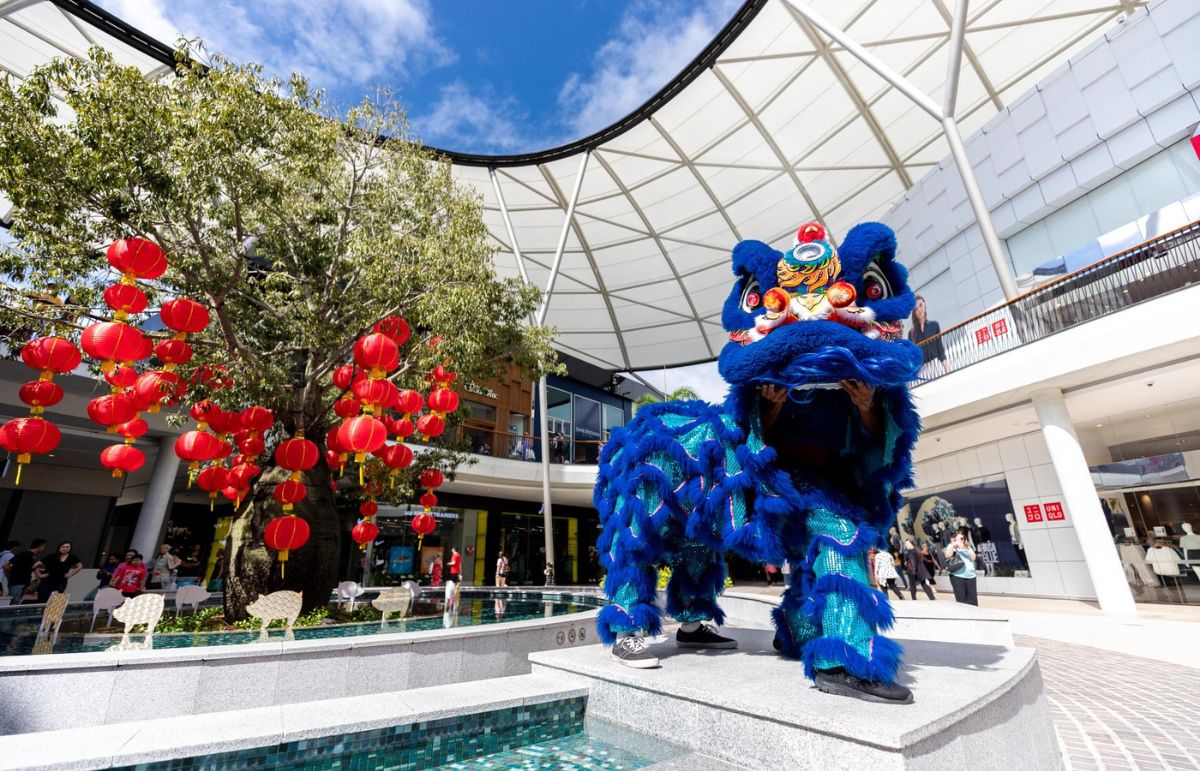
{"x":502,"y":570}
{"x":885,"y":572}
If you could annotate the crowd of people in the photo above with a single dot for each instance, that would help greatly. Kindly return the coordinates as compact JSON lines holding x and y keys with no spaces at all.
{"x":33,"y":574}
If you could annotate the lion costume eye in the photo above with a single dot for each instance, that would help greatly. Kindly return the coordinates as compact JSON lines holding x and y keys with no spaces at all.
{"x":751,"y":296}
{"x":875,"y":284}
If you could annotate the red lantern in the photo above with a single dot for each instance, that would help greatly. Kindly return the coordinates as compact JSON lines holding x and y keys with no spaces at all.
{"x":376,"y":352}
{"x":362,"y":435}
{"x":251,"y":446}
{"x":364,"y":533}
{"x":289,"y":492}
{"x":225,"y":422}
{"x":137,"y":258}
{"x":212,"y":480}
{"x":172,"y":353}
{"x":431,"y":425}
{"x":132,"y":429}
{"x":40,"y":394}
{"x":347,"y":375}
{"x":122,"y":459}
{"x":298,"y":454}
{"x":334,"y":459}
{"x":184,"y":316}
{"x":111,"y":410}
{"x":224,"y":450}
{"x":235,"y":494}
{"x":403,"y":428}
{"x":374,"y":394}
{"x":50,"y":355}
{"x":394,"y":327}
{"x":428,"y":500}
{"x":284,"y":534}
{"x":110,"y":342}
{"x":242,"y":474}
{"x":145,"y":347}
{"x":27,"y":437}
{"x":159,"y":387}
{"x":345,"y":408}
{"x":395,"y":457}
{"x":257,"y":418}
{"x":443,"y":400}
{"x":197,"y":447}
{"x":431,"y":479}
{"x":442,"y":376}
{"x":368,"y":508}
{"x":125,"y":299}
{"x":122,"y":377}
{"x":201,"y":411}
{"x":409,"y":402}
{"x":423,"y":524}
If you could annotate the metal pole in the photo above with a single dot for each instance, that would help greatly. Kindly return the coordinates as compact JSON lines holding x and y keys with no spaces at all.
{"x":562,"y":238}
{"x":1000,"y":263}
{"x":958,"y":29}
{"x":512,"y":237}
{"x":921,"y":99}
{"x":547,"y":506}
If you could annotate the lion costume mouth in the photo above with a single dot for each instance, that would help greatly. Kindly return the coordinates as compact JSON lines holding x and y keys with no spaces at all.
{"x":855,"y":317}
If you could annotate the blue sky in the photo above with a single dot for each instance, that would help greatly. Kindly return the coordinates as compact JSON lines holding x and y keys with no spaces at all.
{"x":479,"y":76}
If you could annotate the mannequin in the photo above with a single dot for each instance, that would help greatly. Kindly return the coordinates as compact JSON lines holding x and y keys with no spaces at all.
{"x":985,"y":535}
{"x":1190,"y":543}
{"x":1014,"y":533}
{"x":984,"y":548}
{"x":894,"y":538}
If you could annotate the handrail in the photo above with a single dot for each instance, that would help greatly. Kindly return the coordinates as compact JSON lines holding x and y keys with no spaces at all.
{"x":1146,"y":270}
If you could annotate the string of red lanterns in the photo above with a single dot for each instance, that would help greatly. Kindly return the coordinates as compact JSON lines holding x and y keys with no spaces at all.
{"x":36,"y":435}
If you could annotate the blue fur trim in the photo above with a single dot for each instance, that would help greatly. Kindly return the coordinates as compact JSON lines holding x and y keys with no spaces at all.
{"x":872,"y":605}
{"x":612,"y":622}
{"x":789,"y":645}
{"x":882,"y":666}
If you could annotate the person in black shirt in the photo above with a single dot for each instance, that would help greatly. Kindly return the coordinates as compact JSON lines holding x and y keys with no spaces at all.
{"x":55,"y":570}
{"x":20,"y":569}
{"x":923,"y":329}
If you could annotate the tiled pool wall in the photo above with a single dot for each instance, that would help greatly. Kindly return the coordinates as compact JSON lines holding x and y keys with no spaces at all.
{"x":408,"y":747}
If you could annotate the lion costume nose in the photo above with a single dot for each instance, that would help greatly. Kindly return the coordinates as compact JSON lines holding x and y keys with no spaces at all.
{"x":841,"y":294}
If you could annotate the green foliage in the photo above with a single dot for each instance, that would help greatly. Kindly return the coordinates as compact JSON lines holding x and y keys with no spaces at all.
{"x":297,"y":227}
{"x":681,"y":394}
{"x":315,"y":618}
{"x":664,"y":576}
{"x":203,"y":620}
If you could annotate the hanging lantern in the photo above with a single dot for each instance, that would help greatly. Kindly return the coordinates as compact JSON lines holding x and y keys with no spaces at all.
{"x":132,"y":429}
{"x":393,"y":327}
{"x":242,"y":474}
{"x":111,"y":410}
{"x":201,"y":411}
{"x":40,"y":394}
{"x":403,"y":428}
{"x":137,"y":258}
{"x":335,"y":453}
{"x":124,"y":299}
{"x":441,"y":377}
{"x":122,"y":459}
{"x":28,"y":437}
{"x":172,"y":353}
{"x":364,"y":533}
{"x":374,"y":394}
{"x":443,"y":401}
{"x":290,"y":492}
{"x":296,"y":455}
{"x":368,"y":509}
{"x":184,"y":316}
{"x":251,"y":446}
{"x":431,"y":479}
{"x":258,"y":419}
{"x":235,"y":494}
{"x":122,"y":377}
{"x":423,"y":524}
{"x":345,"y":408}
{"x":431,"y":425}
{"x":428,"y":501}
{"x":225,"y":422}
{"x":159,"y":387}
{"x":409,"y":402}
{"x":395,"y":457}
{"x":50,"y":356}
{"x":283,"y":534}
{"x":347,"y":375}
{"x":110,"y":342}
{"x":377,"y":353}
{"x":362,"y":435}
{"x":196,"y":447}
{"x":212,"y":480}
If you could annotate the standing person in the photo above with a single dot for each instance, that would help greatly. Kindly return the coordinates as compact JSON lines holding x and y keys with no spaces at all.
{"x":929,"y":561}
{"x":189,"y":568}
{"x":548,"y":572}
{"x":771,"y":572}
{"x":934,"y":354}
{"x":130,"y":578}
{"x":20,"y":569}
{"x":455,"y":566}
{"x":105,"y":574}
{"x":10,"y":551}
{"x":502,"y":570}
{"x":872,"y":579}
{"x":162,"y":568}
{"x":885,"y":573}
{"x":435,"y":571}
{"x":962,"y":570}
{"x":899,"y":567}
{"x":918,"y":573}
{"x":54,"y":571}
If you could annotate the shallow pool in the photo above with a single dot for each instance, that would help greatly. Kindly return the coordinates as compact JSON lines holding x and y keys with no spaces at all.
{"x":18,"y":629}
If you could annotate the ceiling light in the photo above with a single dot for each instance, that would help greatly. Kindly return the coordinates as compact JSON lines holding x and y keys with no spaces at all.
{"x":1099,"y":425}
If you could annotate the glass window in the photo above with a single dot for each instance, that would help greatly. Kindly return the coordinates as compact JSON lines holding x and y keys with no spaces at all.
{"x":614,"y":417}
{"x":485,"y":413}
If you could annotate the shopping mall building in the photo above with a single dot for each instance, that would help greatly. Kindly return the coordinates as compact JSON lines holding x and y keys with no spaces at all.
{"x":1045,"y":191}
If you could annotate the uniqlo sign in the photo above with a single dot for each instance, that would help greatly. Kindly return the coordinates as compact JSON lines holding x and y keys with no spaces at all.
{"x":1054,"y":511}
{"x":1033,"y":513}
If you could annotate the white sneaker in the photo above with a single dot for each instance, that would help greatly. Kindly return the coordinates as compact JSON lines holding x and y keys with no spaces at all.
{"x":632,"y":652}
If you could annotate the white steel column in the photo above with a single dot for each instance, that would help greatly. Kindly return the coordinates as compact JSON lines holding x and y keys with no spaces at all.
{"x":149,"y":528}
{"x":1083,"y":504}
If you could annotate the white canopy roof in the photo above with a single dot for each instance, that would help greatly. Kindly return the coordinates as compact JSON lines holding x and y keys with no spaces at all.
{"x":772,"y":125}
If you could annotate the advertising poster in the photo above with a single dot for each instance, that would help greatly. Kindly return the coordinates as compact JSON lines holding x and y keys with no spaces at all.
{"x":400,"y":560}
{"x":985,"y":509}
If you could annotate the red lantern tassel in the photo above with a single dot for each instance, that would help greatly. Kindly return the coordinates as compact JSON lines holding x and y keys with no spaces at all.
{"x":283,"y":555}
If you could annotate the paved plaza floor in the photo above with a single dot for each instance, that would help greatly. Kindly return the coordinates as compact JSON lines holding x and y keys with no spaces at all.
{"x":1124,"y":693}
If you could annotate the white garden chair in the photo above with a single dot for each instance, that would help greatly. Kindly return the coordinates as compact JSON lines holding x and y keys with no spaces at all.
{"x":349,"y":591}
{"x":190,"y":595}
{"x":106,"y":599}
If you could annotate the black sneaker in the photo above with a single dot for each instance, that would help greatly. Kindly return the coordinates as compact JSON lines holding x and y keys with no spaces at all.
{"x":632,"y":652}
{"x":839,"y":681}
{"x":704,"y":637}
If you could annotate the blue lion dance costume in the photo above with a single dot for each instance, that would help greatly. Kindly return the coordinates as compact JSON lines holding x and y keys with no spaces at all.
{"x":686,"y":482}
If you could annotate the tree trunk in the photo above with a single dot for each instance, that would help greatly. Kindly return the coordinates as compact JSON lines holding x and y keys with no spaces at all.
{"x":253,"y":569}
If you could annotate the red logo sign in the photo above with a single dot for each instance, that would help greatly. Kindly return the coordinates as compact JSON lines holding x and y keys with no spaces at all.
{"x":1000,"y":327}
{"x":1054,"y":511}
{"x":982,"y":335}
{"x":1033,"y":513}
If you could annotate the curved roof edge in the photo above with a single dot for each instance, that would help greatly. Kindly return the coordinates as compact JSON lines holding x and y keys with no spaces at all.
{"x":128,"y":34}
{"x":703,"y":61}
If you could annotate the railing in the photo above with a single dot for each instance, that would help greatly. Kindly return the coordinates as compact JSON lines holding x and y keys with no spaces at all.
{"x":1143,"y":272}
{"x":526,"y":447}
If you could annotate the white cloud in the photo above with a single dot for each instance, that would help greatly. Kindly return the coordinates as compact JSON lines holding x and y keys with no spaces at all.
{"x":334,"y":43}
{"x":462,"y":119}
{"x":654,"y":42}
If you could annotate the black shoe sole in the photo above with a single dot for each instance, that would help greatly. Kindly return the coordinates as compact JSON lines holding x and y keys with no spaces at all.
{"x":725,"y":646}
{"x":838,"y":689}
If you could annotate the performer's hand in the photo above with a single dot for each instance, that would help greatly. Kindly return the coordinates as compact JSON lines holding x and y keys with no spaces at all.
{"x":773,"y":393}
{"x":861,"y":394}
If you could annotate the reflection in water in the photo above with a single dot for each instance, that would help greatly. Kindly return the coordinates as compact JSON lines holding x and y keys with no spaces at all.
{"x":500,"y":607}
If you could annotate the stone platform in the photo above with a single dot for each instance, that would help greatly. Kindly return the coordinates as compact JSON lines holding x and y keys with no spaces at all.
{"x":976,"y":707}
